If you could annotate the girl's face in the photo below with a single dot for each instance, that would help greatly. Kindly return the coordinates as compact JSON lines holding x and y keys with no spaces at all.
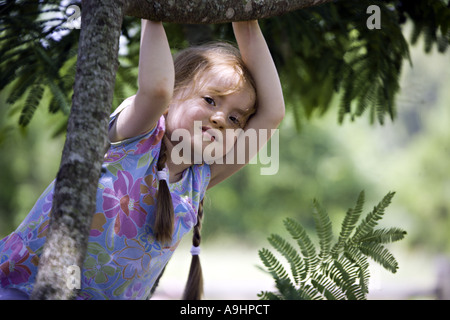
{"x":211,"y":114}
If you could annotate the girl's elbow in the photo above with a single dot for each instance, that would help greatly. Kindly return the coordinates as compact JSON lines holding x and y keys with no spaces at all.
{"x":162,"y":93}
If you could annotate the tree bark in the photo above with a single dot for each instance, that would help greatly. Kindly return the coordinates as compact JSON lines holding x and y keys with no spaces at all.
{"x":82,"y":157}
{"x":213,"y":11}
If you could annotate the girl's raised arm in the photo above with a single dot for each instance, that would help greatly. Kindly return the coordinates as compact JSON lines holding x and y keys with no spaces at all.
{"x":257,"y":58}
{"x":155,"y":85}
{"x":270,"y":102}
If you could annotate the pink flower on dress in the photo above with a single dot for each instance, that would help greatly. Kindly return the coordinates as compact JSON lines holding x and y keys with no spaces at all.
{"x":123,"y":204}
{"x":13,"y":271}
{"x":146,"y":144}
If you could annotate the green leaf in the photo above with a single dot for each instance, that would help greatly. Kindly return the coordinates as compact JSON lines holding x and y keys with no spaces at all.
{"x":371,"y":220}
{"x":59,"y":96}
{"x":384,"y":235}
{"x":349,"y":224}
{"x":143,"y":161}
{"x":33,"y":99}
{"x":304,"y":242}
{"x":273,"y":264}
{"x":291,"y":255}
{"x":380,"y":255}
{"x":287,"y":290}
{"x":95,"y":249}
{"x":324,"y":229}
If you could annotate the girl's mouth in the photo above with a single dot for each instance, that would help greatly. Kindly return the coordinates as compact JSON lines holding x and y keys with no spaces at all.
{"x":208,"y":134}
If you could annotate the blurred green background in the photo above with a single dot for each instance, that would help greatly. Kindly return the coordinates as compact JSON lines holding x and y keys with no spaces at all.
{"x":319,"y":158}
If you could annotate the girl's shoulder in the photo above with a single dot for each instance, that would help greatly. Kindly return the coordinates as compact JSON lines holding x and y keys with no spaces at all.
{"x":140,"y":144}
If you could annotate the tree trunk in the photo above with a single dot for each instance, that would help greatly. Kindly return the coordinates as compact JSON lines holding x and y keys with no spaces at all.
{"x":213,"y":11}
{"x":82,"y":157}
{"x":74,"y":196}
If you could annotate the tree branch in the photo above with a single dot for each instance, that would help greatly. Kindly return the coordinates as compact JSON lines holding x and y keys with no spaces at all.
{"x":213,"y":11}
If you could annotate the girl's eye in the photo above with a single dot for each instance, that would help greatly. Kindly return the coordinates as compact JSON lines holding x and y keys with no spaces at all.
{"x":209,"y":101}
{"x":234,"y":120}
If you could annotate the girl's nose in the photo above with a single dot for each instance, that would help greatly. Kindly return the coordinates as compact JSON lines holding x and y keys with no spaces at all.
{"x":218,"y":120}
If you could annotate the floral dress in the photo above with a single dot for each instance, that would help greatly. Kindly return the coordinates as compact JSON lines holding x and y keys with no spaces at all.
{"x":123,"y":258}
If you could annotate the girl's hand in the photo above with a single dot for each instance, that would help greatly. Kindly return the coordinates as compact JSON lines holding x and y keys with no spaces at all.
{"x":155,"y":85}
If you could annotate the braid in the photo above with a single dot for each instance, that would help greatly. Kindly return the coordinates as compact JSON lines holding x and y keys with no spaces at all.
{"x":197,"y":237}
{"x":164,"y":221}
{"x":194,"y":285}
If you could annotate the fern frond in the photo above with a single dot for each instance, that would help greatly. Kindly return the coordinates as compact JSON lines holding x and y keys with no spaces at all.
{"x":33,"y":99}
{"x":59,"y":96}
{"x":354,"y":255}
{"x":273,"y":264}
{"x":347,"y":97}
{"x":371,"y":220}
{"x":379,"y":107}
{"x":307,"y":248}
{"x":9,"y":51}
{"x":380,"y":255}
{"x":347,"y":273}
{"x":328,"y":288}
{"x":19,"y":88}
{"x":365,"y":99}
{"x":291,"y":255}
{"x":310,"y":292}
{"x":324,"y":230}
{"x":44,"y":59}
{"x":287,"y":290}
{"x":342,"y":278}
{"x":384,"y":235}
{"x":349,"y":224}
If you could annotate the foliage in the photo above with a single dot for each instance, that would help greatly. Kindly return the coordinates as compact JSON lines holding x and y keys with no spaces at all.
{"x":329,"y":48}
{"x":334,"y":271}
{"x":39,"y":55}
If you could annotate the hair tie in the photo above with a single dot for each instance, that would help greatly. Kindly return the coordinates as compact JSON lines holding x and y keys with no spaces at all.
{"x":162,"y":175}
{"x":195,"y":251}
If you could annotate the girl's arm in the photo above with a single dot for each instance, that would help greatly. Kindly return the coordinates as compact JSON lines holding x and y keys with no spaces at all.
{"x":257,"y":58}
{"x":270,"y":101}
{"x":155,"y":85}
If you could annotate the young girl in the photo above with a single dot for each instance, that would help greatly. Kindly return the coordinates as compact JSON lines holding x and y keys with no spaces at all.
{"x":147,"y":198}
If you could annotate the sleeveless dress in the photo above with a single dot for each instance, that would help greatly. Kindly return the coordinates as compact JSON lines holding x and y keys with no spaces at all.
{"x":123,"y":258}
